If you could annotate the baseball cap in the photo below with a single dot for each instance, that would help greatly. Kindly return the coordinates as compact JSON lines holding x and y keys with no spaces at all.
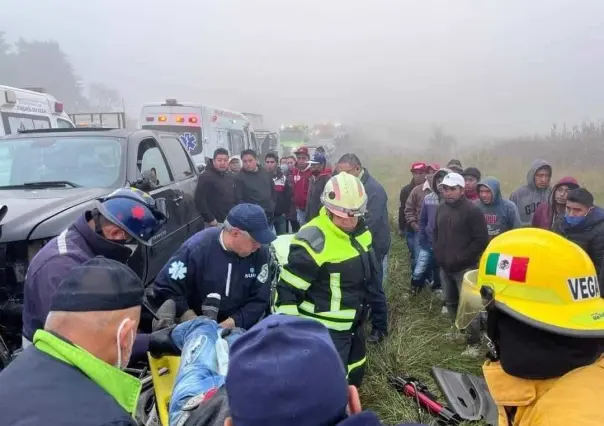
{"x":455,"y":165}
{"x":418,"y":166}
{"x":301,"y":151}
{"x":99,"y":284}
{"x":452,"y":180}
{"x":318,"y":158}
{"x":433,"y":166}
{"x":252,"y":219}
{"x":285,"y":370}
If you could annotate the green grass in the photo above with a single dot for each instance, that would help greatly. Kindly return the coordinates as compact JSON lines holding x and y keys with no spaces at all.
{"x":416,"y":343}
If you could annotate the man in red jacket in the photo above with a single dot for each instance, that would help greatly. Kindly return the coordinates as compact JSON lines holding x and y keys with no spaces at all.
{"x":301,"y":175}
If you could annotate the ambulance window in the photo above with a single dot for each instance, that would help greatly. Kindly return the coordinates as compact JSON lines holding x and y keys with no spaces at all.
{"x":236,"y":142}
{"x":15,"y":122}
{"x":64,"y":124}
{"x":152,"y":165}
{"x":175,"y":151}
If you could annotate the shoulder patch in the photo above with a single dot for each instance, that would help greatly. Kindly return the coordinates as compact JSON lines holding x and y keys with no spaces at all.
{"x":313,"y":236}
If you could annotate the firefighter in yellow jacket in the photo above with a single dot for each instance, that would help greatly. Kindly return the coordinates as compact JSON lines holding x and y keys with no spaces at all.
{"x":545,"y":328}
{"x":332,"y":273}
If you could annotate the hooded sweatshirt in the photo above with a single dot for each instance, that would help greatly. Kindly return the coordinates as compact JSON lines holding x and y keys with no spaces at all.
{"x":501,"y":215}
{"x":428,"y":213}
{"x":546,"y":216}
{"x":528,"y":197}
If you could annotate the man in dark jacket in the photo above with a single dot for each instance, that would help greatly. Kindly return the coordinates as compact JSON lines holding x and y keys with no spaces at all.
{"x":472,"y":176}
{"x":550,"y":215}
{"x":282,"y":192}
{"x":376,"y":219}
{"x":215,"y":192}
{"x":301,"y":178}
{"x":254,"y":185}
{"x":460,"y":237}
{"x":71,"y":375}
{"x":418,"y":170}
{"x":320,"y":175}
{"x":230,"y":261}
{"x":105,"y":231}
{"x":584,"y":226}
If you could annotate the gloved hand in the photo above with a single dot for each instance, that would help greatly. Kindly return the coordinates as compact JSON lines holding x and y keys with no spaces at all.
{"x":160,"y":343}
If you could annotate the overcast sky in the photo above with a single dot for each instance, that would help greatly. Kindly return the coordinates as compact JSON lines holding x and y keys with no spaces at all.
{"x":497,"y":65}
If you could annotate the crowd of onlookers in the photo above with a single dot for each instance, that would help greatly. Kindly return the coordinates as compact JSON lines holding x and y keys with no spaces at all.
{"x":448,"y":216}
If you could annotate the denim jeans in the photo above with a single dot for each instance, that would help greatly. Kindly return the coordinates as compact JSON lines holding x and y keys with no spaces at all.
{"x":412,"y":238}
{"x":451,"y":282}
{"x":280,"y":225}
{"x":201,"y":362}
{"x":425,"y":267}
{"x":301,"y":215}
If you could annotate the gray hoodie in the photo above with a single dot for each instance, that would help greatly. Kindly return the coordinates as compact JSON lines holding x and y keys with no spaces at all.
{"x":528,"y":197}
{"x":501,"y":215}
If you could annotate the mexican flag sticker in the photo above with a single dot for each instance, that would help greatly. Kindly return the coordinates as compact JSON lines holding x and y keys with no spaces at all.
{"x":506,"y":266}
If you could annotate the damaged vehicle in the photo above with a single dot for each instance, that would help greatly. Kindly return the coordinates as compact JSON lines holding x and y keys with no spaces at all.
{"x":48,"y":178}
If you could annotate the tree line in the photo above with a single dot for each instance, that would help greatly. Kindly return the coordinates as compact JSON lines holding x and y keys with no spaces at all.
{"x":42,"y":64}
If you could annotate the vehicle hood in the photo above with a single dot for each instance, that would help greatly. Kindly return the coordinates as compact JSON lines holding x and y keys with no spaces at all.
{"x":29,"y":207}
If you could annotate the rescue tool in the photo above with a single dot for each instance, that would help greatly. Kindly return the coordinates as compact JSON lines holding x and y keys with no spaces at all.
{"x":426,"y":400}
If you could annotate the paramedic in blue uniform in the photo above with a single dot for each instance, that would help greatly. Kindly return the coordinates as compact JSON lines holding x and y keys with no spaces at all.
{"x":231,"y":260}
{"x":117,"y":223}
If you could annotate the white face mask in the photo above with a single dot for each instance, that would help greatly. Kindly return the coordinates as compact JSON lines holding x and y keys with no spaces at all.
{"x":119,"y":363}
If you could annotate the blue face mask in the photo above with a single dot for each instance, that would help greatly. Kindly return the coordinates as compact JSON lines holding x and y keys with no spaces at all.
{"x":283,"y":168}
{"x":574,"y":220}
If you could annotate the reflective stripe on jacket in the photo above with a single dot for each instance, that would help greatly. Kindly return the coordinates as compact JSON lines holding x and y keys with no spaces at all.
{"x":329,"y":274}
{"x":573,"y":399}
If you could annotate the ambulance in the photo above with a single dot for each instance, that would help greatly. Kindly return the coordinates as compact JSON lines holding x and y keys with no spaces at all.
{"x":201,"y":128}
{"x":22,"y":109}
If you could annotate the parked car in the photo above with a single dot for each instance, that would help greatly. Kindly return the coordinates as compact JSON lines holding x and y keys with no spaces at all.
{"x":49,"y":178}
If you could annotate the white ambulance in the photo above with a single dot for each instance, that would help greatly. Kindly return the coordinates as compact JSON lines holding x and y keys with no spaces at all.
{"x":22,"y":109}
{"x":201,"y":128}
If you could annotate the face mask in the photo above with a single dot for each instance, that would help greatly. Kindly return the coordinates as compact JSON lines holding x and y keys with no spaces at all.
{"x":573,"y":220}
{"x":283,"y":168}
{"x":119,"y":347}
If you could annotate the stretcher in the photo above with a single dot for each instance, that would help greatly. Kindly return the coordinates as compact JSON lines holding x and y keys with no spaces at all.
{"x":163,"y":372}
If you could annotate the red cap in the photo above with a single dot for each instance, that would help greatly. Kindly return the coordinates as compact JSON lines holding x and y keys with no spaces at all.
{"x":415,"y":167}
{"x":302,"y":151}
{"x":434,"y":166}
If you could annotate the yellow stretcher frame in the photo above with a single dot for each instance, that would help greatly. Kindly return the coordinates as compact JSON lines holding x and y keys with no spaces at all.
{"x":163,"y":373}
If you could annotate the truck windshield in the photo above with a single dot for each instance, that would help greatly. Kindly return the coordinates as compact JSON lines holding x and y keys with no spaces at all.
{"x":92,"y":162}
{"x":190,"y":137}
{"x":291,"y":135}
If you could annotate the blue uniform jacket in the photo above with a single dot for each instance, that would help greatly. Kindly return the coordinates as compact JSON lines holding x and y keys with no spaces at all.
{"x":71,"y":248}
{"x":202,"y":266}
{"x":38,"y":389}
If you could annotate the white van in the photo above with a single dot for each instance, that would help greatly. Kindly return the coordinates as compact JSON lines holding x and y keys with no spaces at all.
{"x":22,"y":109}
{"x":201,"y":128}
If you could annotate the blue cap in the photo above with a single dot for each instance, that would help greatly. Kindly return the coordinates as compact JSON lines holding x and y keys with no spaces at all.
{"x":286,"y":371}
{"x":99,"y":284}
{"x":252,"y":219}
{"x":318,"y":158}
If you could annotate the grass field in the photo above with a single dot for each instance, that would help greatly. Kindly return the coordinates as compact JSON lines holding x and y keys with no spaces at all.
{"x":417,"y":328}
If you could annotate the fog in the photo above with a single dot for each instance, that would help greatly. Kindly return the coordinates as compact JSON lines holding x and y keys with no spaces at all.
{"x":479,"y":67}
